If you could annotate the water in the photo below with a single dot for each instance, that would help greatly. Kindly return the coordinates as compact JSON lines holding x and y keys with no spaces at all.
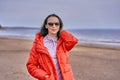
{"x":106,"y":37}
{"x":20,"y":33}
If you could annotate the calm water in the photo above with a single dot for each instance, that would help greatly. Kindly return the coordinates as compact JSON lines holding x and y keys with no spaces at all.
{"x":110,"y":37}
{"x":106,"y":37}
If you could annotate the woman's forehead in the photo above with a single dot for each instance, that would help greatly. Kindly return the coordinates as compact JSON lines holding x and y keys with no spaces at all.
{"x":53,"y":19}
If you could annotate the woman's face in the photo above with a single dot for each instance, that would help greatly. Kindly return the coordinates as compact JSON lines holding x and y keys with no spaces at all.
{"x":53,"y":26}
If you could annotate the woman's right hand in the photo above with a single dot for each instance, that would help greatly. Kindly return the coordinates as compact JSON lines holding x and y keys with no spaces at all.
{"x":47,"y":76}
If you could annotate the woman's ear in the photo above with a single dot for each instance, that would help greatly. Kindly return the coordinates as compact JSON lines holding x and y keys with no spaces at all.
{"x":46,"y":26}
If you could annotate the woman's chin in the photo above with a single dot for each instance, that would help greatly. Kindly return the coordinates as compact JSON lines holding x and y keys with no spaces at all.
{"x":54,"y":32}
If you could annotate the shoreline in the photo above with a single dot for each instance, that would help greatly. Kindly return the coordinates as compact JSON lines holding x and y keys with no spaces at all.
{"x":114,"y":47}
{"x":109,"y":41}
{"x":80,"y":43}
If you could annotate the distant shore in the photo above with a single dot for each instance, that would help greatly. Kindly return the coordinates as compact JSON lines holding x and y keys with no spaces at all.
{"x":1,"y":28}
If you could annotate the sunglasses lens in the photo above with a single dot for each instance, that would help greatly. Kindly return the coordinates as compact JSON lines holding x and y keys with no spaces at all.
{"x":57,"y":24}
{"x":51,"y":24}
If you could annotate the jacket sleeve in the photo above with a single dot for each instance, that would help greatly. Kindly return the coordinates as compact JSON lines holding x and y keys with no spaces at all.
{"x":69,"y":39}
{"x":33,"y":65}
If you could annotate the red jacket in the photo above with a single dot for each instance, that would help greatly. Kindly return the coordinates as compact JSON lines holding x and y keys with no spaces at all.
{"x":40,"y":62}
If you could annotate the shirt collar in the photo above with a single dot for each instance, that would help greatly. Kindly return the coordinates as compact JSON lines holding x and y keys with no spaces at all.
{"x":51,"y":38}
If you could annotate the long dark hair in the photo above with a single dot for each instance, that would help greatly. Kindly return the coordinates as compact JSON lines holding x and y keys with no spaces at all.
{"x":44,"y":31}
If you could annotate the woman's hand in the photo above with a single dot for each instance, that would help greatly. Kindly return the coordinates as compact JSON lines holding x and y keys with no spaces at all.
{"x":47,"y":76}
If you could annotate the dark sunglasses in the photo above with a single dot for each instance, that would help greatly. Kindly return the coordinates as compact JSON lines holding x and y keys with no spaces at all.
{"x":51,"y":24}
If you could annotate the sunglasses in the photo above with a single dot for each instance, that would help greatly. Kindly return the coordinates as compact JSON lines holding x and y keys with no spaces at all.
{"x":51,"y":24}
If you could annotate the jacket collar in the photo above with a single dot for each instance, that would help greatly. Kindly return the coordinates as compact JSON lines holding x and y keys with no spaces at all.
{"x":40,"y":45}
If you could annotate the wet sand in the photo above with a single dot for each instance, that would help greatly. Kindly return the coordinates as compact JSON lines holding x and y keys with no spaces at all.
{"x":88,"y":63}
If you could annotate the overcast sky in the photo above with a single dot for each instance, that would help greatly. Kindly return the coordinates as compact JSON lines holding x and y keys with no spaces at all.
{"x":74,"y":13}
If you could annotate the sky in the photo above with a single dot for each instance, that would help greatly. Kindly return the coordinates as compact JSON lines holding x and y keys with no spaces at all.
{"x":74,"y":13}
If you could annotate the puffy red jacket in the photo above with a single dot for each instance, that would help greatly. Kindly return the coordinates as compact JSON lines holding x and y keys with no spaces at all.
{"x":40,"y":62}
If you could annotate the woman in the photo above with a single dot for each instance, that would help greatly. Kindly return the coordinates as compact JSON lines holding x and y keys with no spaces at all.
{"x":49,"y":54}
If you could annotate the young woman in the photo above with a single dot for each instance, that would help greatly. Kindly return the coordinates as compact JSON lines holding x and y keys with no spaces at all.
{"x":49,"y":59}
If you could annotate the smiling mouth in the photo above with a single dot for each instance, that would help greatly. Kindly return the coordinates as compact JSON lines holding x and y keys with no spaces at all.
{"x":53,"y":29}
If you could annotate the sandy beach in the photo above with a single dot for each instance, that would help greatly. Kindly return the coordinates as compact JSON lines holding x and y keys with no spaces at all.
{"x":88,"y":63}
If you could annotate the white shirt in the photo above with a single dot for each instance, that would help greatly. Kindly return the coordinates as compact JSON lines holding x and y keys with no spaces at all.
{"x":51,"y":44}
